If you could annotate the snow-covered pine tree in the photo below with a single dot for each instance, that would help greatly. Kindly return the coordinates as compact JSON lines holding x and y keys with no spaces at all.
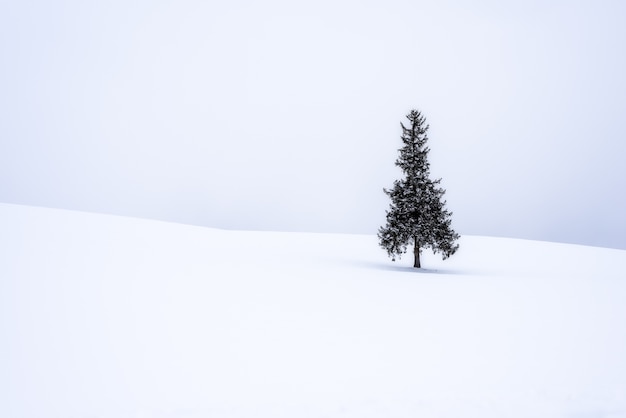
{"x":417,"y":213}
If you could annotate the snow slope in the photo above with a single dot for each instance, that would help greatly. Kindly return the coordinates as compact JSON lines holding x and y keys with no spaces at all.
{"x":104,"y":316}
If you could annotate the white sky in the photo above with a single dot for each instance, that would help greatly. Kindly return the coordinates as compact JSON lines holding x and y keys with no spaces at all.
{"x":285,"y":116}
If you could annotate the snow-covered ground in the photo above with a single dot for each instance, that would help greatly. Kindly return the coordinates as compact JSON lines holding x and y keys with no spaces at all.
{"x":104,"y":316}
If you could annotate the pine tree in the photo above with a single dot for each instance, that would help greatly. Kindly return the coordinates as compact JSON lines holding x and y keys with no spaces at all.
{"x":417,"y":213}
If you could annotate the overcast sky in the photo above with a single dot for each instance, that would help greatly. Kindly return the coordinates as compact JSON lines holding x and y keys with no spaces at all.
{"x":284,"y":115}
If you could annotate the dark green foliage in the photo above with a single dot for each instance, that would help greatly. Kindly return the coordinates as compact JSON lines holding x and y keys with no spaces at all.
{"x":417,"y":213}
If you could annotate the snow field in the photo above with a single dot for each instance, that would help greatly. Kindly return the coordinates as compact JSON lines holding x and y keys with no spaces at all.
{"x":104,"y":316}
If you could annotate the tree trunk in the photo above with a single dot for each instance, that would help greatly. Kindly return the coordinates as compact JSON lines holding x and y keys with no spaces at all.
{"x":416,"y":253}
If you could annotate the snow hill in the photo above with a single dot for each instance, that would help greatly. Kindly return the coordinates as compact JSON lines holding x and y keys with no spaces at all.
{"x":104,"y":316}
